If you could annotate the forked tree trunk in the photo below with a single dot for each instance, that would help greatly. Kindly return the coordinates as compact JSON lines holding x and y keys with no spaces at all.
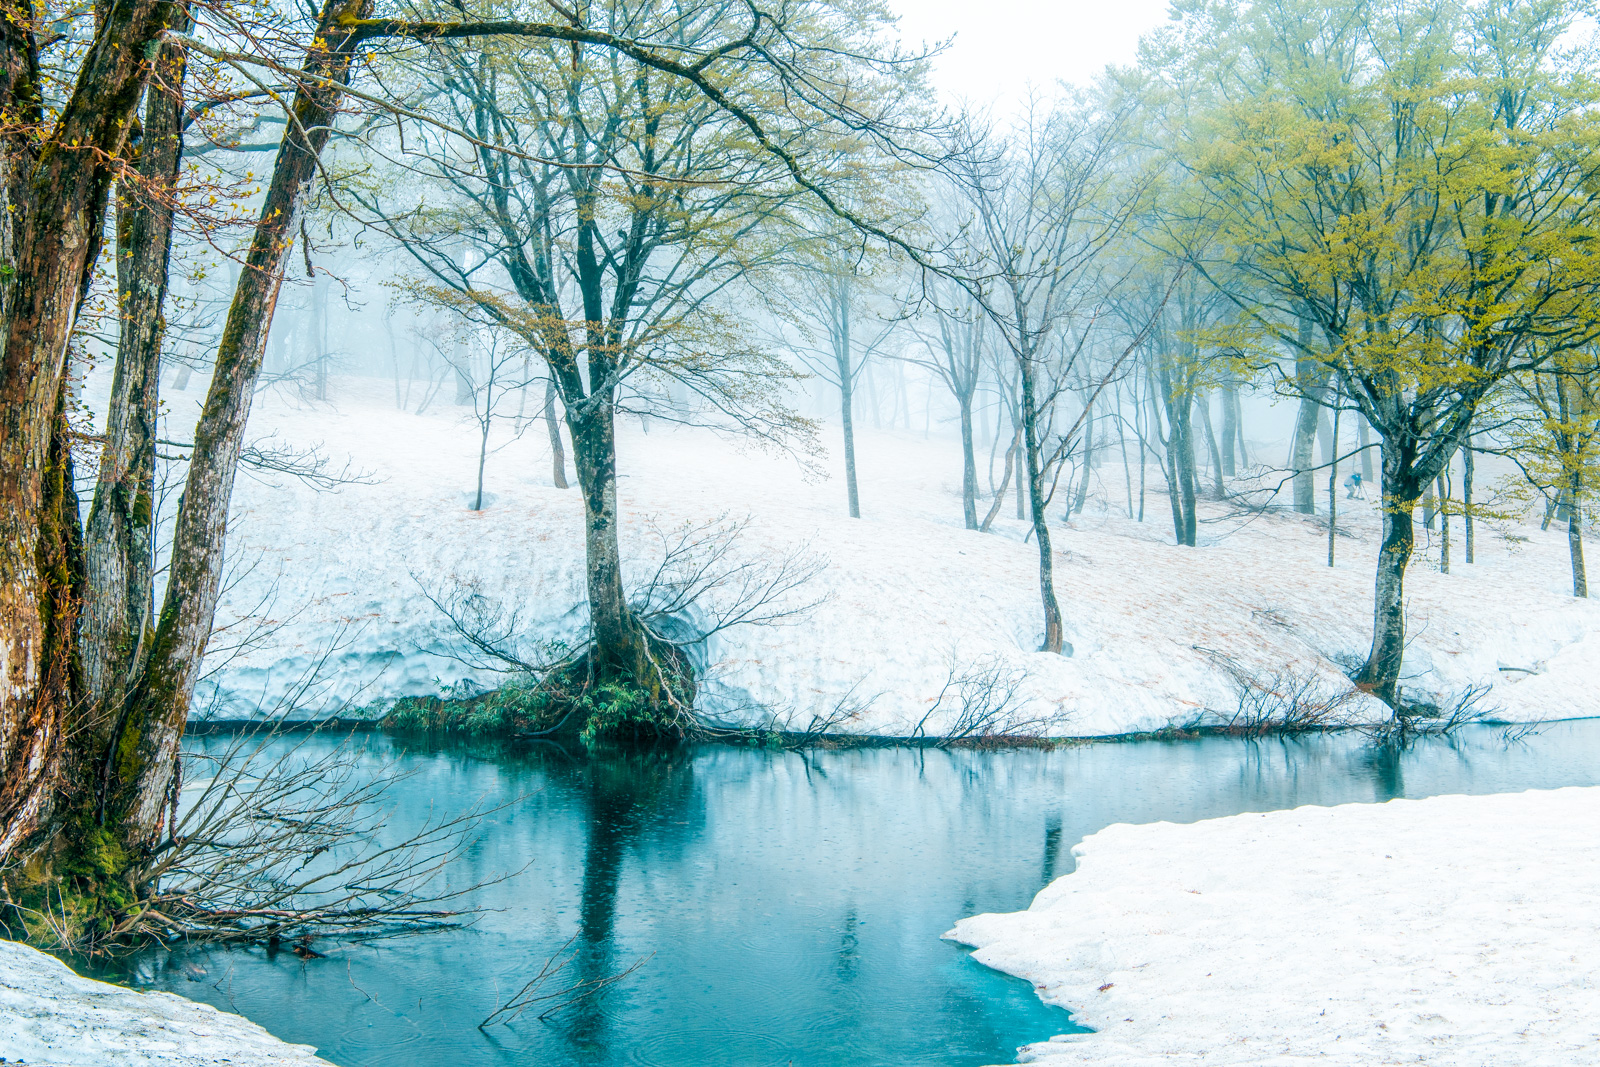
{"x":145,"y":753}
{"x":119,"y":551}
{"x":55,"y":190}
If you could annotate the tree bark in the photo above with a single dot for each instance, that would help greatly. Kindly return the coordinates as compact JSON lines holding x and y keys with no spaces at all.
{"x":1333,"y":496}
{"x":119,"y":551}
{"x":558,"y":452}
{"x":1230,"y":430}
{"x":847,"y":416}
{"x":969,"y":464}
{"x":1444,"y":526}
{"x":1082,"y":496}
{"x":1203,"y":402}
{"x":1184,"y":433}
{"x":56,"y":187}
{"x":1380,"y":675}
{"x":146,"y":750}
{"x":1300,"y":455}
{"x":1005,"y":480}
{"x":1580,"y":577}
{"x":1053,"y":633}
{"x":618,"y":643}
{"x":1466,"y":495}
{"x":1311,"y":379}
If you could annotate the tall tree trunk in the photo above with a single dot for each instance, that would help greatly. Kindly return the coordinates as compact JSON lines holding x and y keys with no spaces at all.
{"x":483,"y":458}
{"x":847,"y":417}
{"x":119,"y":550}
{"x":1230,"y":429}
{"x":145,"y":752}
{"x":1311,"y":379}
{"x":1022,"y":492}
{"x":1444,"y":526}
{"x":1088,"y":461}
{"x":1183,"y":432}
{"x":1300,"y":455}
{"x":55,"y":188}
{"x":1364,"y":429}
{"x":1203,"y":401}
{"x":1122,"y":444}
{"x":1333,"y":496}
{"x":969,"y":464}
{"x":1005,"y":480}
{"x":558,"y":452}
{"x":618,"y":643}
{"x":1380,"y":675}
{"x":1053,"y":633}
{"x":1466,"y":496}
{"x":1580,"y":577}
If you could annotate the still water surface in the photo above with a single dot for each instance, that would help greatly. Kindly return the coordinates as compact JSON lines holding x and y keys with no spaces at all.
{"x":790,"y":905}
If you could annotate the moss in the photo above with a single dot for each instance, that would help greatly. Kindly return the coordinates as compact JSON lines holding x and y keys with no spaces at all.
{"x":566,"y":702}
{"x":73,"y":896}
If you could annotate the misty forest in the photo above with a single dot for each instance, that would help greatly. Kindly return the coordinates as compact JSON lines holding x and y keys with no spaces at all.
{"x":666,"y":532}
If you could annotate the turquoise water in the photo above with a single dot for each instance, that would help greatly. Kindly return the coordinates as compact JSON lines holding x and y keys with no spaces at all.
{"x":787,"y":907}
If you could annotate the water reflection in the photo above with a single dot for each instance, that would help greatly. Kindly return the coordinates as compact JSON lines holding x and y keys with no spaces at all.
{"x":790,"y":904}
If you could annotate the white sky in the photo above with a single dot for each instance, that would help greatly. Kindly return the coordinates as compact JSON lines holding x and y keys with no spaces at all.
{"x":1003,"y":46}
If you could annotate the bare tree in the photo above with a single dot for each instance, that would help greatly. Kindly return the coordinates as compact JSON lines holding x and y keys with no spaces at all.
{"x":1045,"y":208}
{"x":835,"y":299}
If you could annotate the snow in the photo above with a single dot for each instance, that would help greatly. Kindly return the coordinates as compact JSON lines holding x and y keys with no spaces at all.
{"x":1449,"y":931}
{"x":908,"y":590}
{"x":50,"y":1016}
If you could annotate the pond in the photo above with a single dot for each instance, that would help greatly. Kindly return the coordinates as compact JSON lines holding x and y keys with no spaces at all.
{"x":786,"y":906}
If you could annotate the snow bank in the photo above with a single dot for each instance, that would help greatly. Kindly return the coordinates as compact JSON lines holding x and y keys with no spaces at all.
{"x":50,"y":1016}
{"x":909,"y":591}
{"x":1449,"y":931}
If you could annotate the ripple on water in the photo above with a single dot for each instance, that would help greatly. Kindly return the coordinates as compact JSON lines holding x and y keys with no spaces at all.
{"x":710,"y":1047}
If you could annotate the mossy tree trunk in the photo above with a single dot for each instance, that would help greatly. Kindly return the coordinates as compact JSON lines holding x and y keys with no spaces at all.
{"x":56,"y":183}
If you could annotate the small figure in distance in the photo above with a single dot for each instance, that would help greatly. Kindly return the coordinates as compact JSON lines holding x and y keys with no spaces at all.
{"x":1354,"y":488}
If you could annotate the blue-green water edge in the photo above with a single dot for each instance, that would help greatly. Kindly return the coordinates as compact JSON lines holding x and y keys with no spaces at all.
{"x":789,"y":904}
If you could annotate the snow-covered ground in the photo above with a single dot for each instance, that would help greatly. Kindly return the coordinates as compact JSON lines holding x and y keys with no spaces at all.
{"x":50,"y":1016}
{"x":1454,"y":932}
{"x":909,"y":591}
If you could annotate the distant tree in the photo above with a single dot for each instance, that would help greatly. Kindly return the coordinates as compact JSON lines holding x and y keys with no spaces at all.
{"x":956,"y":357}
{"x":1045,"y":207}
{"x":1551,"y":428}
{"x":837,"y":321}
{"x":1420,"y":182}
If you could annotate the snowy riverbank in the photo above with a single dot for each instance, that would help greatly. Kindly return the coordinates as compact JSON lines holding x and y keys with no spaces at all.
{"x":1449,"y":931}
{"x":50,"y":1017}
{"x":908,"y":590}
